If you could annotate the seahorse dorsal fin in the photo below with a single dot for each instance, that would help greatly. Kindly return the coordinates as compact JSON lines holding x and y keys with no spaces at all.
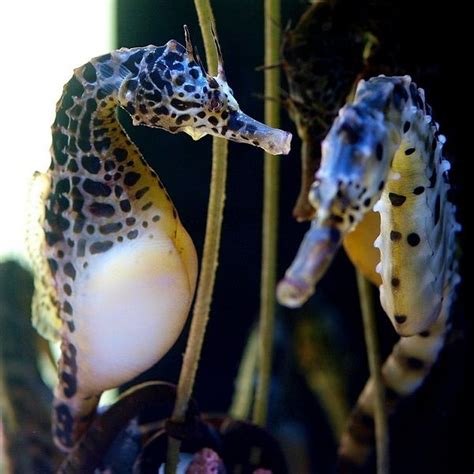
{"x":44,"y":308}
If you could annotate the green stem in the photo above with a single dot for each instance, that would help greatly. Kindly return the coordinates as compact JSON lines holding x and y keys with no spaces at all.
{"x":210,"y":253}
{"x":373,"y":355}
{"x":270,"y":214}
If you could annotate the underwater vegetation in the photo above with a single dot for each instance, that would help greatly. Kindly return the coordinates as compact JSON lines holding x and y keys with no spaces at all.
{"x":119,"y":262}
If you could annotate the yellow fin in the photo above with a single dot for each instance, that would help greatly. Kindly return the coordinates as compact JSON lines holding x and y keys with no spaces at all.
{"x":44,"y":307}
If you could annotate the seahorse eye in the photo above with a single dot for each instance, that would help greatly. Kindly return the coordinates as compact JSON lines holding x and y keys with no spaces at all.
{"x":215,"y":104}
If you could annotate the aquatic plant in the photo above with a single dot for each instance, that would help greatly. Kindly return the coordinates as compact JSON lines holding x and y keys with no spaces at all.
{"x":153,"y":423}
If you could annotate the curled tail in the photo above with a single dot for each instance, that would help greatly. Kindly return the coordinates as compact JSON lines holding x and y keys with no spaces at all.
{"x":73,"y":411}
{"x":71,"y":418}
{"x":403,"y":373}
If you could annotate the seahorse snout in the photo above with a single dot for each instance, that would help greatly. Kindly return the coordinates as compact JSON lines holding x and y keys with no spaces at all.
{"x":244,"y":129}
{"x":315,"y":254}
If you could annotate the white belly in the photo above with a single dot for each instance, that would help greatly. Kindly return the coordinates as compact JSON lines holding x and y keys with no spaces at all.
{"x":130,"y":306}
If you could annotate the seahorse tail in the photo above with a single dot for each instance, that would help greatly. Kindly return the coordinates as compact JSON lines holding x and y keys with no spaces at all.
{"x":403,"y":373}
{"x":71,"y":417}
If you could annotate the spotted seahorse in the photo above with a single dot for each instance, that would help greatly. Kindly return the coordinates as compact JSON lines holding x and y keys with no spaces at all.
{"x":384,"y":152}
{"x":115,"y":270}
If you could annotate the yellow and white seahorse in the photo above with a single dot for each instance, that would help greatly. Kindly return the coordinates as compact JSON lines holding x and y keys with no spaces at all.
{"x":115,"y":270}
{"x":384,"y":153}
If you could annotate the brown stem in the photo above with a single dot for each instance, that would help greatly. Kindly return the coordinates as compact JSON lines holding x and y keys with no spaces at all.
{"x":210,"y":253}
{"x":375,"y":366}
{"x":270,"y":215}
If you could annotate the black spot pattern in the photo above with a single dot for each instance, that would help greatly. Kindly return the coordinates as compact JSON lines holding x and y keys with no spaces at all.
{"x":413,"y":239}
{"x":96,"y":188}
{"x":125,"y":205}
{"x":400,"y":319}
{"x":100,"y":209}
{"x":110,"y":228}
{"x":182,"y":105}
{"x":69,"y":270}
{"x":101,"y":246}
{"x":67,"y":308}
{"x":63,"y":425}
{"x":91,"y":163}
{"x":379,"y":151}
{"x":433,"y":178}
{"x":437,"y":209}
{"x":131,"y":178}
{"x":414,"y":363}
{"x":396,"y":199}
{"x":53,"y":265}
{"x":81,"y":248}
{"x":120,"y":154}
{"x":141,"y":192}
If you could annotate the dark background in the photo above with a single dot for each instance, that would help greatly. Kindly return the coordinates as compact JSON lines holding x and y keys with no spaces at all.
{"x":430,"y":434}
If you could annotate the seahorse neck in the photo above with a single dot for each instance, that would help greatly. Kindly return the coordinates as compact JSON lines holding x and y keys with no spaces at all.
{"x":95,"y":166}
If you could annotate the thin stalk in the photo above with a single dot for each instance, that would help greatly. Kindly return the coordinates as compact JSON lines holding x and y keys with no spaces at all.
{"x":244,"y":383}
{"x":375,"y":366}
{"x":270,"y":214}
{"x":210,"y":253}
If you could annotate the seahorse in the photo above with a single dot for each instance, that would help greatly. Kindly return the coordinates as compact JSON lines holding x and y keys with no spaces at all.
{"x":385,"y":152}
{"x":115,"y":269}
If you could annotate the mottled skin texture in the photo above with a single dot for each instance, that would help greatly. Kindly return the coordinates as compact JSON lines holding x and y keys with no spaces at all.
{"x":115,"y":270}
{"x":384,"y":152}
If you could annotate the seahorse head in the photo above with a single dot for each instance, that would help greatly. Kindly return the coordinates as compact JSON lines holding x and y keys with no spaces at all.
{"x":172,"y":90}
{"x":353,"y":166}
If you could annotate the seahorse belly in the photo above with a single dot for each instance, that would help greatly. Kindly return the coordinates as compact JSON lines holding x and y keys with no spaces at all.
{"x":410,"y":293}
{"x":133,"y":302}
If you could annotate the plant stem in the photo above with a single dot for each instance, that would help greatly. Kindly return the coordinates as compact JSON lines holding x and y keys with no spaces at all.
{"x":210,"y":253}
{"x":244,"y":383}
{"x":206,"y":19}
{"x":270,"y":214}
{"x":373,"y":355}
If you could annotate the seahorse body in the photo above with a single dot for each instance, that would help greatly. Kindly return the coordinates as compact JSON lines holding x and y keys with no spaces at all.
{"x":384,"y":152}
{"x":115,"y":270}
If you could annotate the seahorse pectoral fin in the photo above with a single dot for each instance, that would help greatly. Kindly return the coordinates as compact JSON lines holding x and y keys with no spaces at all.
{"x":194,"y":133}
{"x":244,"y":129}
{"x":45,"y":309}
{"x":359,"y":246}
{"x":315,"y":254}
